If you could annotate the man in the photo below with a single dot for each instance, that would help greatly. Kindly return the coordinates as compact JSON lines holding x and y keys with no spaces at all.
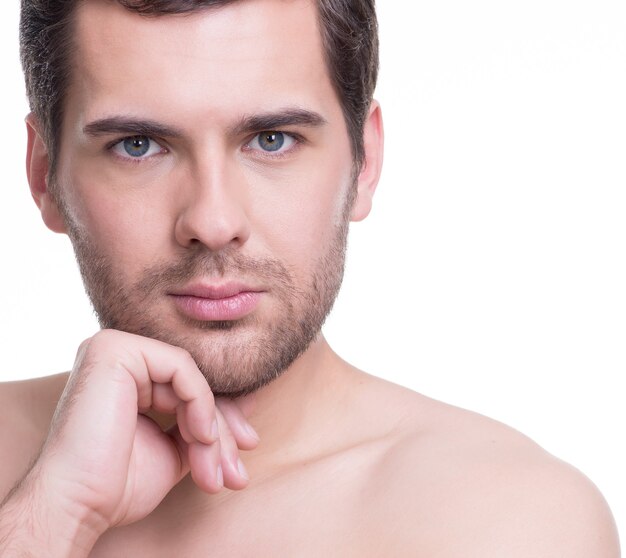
{"x":205,"y":159}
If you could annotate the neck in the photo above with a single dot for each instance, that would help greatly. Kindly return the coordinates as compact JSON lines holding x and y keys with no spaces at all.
{"x":295,"y":414}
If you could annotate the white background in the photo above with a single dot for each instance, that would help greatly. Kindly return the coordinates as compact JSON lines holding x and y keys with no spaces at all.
{"x":491,"y":273}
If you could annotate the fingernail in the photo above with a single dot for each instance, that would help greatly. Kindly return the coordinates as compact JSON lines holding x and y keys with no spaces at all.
{"x":220,"y":476}
{"x":252,"y":432}
{"x":215,"y":430}
{"x":242,"y":469}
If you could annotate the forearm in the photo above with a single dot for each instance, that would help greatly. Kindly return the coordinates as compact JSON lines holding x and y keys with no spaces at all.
{"x":33,"y":525}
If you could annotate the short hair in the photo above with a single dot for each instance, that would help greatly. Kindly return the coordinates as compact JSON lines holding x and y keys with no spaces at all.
{"x":348,"y":28}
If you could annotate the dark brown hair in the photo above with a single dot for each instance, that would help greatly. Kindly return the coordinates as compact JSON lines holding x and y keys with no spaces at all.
{"x":349,"y":34}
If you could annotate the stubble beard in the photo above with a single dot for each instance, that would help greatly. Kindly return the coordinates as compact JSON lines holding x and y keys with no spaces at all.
{"x":236,"y":357}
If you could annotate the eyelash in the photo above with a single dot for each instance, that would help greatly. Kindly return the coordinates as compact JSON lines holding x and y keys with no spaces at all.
{"x":297,"y":139}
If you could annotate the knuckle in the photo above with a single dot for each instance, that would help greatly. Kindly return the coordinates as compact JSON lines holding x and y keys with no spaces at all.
{"x":102,"y":338}
{"x":90,"y":348}
{"x":104,"y":348}
{"x":185,"y":357}
{"x":205,"y":389}
{"x":82,"y":351}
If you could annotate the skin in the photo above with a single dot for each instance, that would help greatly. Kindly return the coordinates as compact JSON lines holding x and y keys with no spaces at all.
{"x":347,"y":464}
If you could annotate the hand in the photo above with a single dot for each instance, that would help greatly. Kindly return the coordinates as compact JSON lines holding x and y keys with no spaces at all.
{"x":107,"y":463}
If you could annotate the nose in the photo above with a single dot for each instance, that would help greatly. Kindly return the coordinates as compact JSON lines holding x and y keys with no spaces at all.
{"x":213,"y":211}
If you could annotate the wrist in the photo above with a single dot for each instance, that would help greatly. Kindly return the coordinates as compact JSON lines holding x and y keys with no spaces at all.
{"x":36,"y":521}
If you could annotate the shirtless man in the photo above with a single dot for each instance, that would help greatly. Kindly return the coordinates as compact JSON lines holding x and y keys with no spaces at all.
{"x":206,"y":167}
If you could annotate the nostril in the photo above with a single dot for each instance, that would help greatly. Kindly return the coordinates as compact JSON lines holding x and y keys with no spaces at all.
{"x":212,"y":229}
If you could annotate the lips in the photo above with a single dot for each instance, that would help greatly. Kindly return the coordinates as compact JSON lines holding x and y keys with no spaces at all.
{"x":203,"y":302}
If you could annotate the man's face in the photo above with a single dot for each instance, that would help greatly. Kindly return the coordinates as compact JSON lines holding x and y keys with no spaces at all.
{"x":205,"y":173}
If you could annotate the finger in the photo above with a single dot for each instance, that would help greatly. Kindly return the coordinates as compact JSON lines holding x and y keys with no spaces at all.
{"x":160,"y":462}
{"x":181,"y":419}
{"x":183,"y":449}
{"x":201,"y":460}
{"x":193,"y":427}
{"x":168,"y":449}
{"x":179,"y":369}
{"x":149,"y":362}
{"x":190,"y":386}
{"x":164,"y":400}
{"x":206,"y":470}
{"x":201,"y":421}
{"x":245,"y":436}
{"x":235,"y":475}
{"x":194,"y":422}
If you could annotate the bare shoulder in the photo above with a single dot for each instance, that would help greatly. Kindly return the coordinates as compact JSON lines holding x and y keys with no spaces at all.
{"x":27,"y":409}
{"x":458,"y":484}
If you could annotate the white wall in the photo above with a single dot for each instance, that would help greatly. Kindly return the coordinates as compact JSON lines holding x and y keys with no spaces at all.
{"x":491,"y":273}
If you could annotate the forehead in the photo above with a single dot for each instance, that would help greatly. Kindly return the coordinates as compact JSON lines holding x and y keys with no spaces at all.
{"x":246,"y":56}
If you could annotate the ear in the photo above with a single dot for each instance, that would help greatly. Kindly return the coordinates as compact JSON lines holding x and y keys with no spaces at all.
{"x":37,"y":165}
{"x":373,"y":142}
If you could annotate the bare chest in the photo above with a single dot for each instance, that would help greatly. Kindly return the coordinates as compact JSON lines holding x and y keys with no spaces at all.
{"x":314,"y":510}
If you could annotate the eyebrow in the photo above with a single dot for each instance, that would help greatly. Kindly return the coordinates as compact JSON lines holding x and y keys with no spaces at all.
{"x":130,"y":126}
{"x":122,"y":125}
{"x":278,"y":119}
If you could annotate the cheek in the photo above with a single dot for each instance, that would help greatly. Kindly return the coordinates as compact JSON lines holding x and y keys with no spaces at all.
{"x":298,"y":216}
{"x":124,"y":229}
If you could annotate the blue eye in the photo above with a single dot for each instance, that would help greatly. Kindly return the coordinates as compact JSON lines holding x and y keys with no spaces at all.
{"x":271,"y":141}
{"x":137,"y":147}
